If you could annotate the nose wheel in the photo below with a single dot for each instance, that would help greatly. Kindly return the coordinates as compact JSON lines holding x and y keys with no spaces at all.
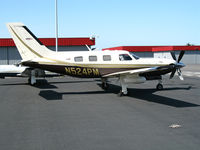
{"x":159,"y":86}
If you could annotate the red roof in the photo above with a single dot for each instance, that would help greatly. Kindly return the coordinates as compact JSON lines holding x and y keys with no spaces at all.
{"x":154,"y":48}
{"x":7,"y":42}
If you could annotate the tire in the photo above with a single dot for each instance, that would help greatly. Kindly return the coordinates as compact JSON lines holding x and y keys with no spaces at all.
{"x":159,"y":87}
{"x":104,"y":86}
{"x":120,"y":94}
{"x":29,"y":81}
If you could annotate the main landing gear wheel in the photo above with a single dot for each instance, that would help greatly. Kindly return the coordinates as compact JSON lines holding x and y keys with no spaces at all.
{"x":159,"y":86}
{"x":120,"y":94}
{"x":105,"y":86}
{"x":31,"y":83}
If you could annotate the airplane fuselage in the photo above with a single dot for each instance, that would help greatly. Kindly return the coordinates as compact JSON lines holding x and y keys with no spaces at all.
{"x":96,"y":64}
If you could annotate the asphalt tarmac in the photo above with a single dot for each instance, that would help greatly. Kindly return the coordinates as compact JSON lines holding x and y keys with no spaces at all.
{"x":76,"y":114}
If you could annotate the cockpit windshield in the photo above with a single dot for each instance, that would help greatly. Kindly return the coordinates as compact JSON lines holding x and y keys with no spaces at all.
{"x":135,"y":56}
{"x":124,"y":57}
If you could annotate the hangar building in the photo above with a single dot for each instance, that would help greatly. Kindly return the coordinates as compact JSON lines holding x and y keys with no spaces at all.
{"x":10,"y":55}
{"x":192,"y":53}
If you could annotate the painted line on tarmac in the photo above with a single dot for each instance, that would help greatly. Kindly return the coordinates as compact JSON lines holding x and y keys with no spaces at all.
{"x":191,"y":74}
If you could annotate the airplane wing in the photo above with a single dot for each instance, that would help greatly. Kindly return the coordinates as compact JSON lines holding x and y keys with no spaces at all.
{"x":129,"y":72}
{"x":139,"y":71}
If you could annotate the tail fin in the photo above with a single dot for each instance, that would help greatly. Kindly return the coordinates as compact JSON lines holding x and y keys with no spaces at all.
{"x":27,"y":44}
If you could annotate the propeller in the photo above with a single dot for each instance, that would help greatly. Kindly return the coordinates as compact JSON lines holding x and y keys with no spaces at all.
{"x":177,"y":66}
{"x":181,"y":56}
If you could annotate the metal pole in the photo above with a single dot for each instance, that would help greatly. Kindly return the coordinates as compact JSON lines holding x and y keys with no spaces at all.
{"x":56,"y":25}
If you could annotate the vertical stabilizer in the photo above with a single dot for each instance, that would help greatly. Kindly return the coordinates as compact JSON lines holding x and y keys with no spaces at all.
{"x":26,"y":42}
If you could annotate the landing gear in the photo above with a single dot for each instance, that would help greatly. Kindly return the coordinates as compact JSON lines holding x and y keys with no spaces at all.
{"x":124,"y":90}
{"x":32,"y":79}
{"x":159,"y":85}
{"x":125,"y":93}
{"x":104,"y":84}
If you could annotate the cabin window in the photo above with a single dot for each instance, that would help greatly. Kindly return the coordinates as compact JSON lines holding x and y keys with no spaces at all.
{"x":106,"y":58}
{"x":92,"y":58}
{"x":124,"y":57}
{"x":78,"y":59}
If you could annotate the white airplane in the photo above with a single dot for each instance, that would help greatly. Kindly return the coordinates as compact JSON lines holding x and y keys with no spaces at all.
{"x":22,"y":71}
{"x":11,"y":71}
{"x":92,"y":64}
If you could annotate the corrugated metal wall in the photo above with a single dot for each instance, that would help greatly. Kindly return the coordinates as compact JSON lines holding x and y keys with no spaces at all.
{"x":13,"y":55}
{"x":9,"y":55}
{"x":3,"y":55}
{"x":69,"y":48}
{"x":144,"y":54}
{"x":198,"y":57}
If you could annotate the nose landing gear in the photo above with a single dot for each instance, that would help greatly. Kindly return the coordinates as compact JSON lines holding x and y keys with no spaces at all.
{"x":159,"y":85}
{"x":124,"y":86}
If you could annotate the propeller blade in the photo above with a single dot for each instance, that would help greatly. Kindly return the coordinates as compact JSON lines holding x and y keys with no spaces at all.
{"x":180,"y":56}
{"x":172,"y":74}
{"x":173,"y":55}
{"x":180,"y":74}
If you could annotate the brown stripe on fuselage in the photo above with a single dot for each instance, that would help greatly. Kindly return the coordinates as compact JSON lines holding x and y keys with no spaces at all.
{"x":89,"y":72}
{"x":77,"y":71}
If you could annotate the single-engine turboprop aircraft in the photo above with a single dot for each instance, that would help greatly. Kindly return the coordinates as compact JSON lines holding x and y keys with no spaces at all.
{"x":92,"y":64}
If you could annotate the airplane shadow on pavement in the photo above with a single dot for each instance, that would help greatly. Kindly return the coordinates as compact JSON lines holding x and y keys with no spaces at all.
{"x":149,"y":95}
{"x":141,"y":94}
{"x":44,"y":84}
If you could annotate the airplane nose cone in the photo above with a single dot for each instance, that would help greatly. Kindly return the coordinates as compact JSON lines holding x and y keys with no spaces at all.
{"x":180,"y":65}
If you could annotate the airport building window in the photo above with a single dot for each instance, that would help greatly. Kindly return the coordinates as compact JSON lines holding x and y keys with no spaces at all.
{"x":106,"y":58}
{"x":124,"y":57}
{"x":92,"y":58}
{"x":78,"y":59}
